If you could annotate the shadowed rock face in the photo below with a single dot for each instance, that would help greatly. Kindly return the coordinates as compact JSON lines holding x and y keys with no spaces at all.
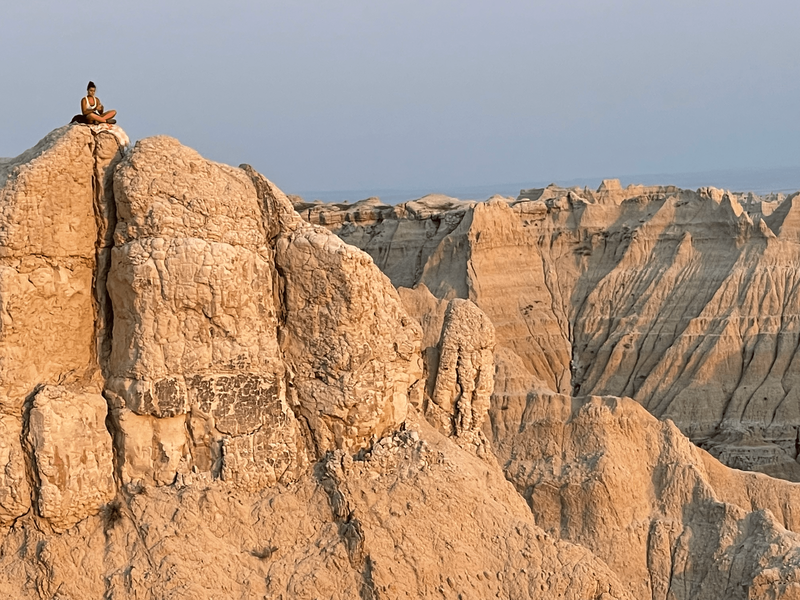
{"x":685,"y":301}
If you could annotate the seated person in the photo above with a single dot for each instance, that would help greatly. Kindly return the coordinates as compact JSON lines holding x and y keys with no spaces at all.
{"x":92,"y":108}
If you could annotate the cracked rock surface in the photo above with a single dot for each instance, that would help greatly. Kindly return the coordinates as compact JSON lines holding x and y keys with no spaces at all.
{"x":193,"y":380}
{"x":685,"y":301}
{"x":204,"y":396}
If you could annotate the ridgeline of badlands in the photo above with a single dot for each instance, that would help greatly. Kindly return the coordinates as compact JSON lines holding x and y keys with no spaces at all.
{"x":209,"y":392}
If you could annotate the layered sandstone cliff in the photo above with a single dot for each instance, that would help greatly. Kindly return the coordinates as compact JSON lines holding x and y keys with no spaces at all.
{"x":685,"y":301}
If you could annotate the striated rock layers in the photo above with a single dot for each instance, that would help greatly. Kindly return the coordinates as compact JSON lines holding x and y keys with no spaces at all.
{"x":204,"y":396}
{"x":685,"y":301}
{"x":667,"y":517}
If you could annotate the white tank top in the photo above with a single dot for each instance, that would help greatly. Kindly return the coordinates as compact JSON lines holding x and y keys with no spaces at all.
{"x":92,"y":107}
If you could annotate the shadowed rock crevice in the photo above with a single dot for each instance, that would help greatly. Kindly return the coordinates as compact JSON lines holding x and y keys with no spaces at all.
{"x":108,"y":151}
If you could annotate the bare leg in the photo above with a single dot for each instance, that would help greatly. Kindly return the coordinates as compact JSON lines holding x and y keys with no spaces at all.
{"x":93,"y":118}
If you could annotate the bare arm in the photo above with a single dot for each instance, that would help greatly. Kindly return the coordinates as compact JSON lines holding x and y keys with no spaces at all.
{"x":85,"y":107}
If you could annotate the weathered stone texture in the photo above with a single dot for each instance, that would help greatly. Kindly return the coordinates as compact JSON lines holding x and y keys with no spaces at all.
{"x":47,"y":252}
{"x":465,"y":377}
{"x":261,"y":382}
{"x":274,"y":453}
{"x":192,"y":278}
{"x":48,"y":238}
{"x":72,"y":455}
{"x":151,"y":451}
{"x":667,"y":517}
{"x":15,"y":490}
{"x":683,"y":300}
{"x":193,"y":287}
{"x":353,"y":351}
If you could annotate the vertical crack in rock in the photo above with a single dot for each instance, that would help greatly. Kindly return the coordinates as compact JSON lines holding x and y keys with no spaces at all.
{"x":107,"y":153}
{"x":32,"y":482}
{"x":331,"y":476}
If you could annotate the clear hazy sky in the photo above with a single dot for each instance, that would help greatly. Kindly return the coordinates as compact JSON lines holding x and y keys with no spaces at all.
{"x":323,"y":95}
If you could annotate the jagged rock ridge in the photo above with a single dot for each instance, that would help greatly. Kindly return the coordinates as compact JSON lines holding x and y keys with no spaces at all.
{"x":685,"y":301}
{"x":203,"y":396}
{"x":246,"y":415}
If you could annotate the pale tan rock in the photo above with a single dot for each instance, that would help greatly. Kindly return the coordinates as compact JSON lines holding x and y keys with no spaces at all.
{"x":465,"y":374}
{"x":46,"y":198}
{"x":429,"y":312}
{"x":353,"y":352}
{"x":192,"y":279}
{"x":151,"y":451}
{"x":48,"y":236}
{"x":164,"y":189}
{"x":194,"y":291}
{"x":423,"y":519}
{"x":264,"y":457}
{"x":669,"y":519}
{"x":284,"y":458}
{"x":682,"y":300}
{"x":72,"y":455}
{"x":48,"y":326}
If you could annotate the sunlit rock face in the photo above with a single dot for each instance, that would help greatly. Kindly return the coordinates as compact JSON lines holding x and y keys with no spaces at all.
{"x":49,"y":248}
{"x":683,"y":300}
{"x":193,"y":379}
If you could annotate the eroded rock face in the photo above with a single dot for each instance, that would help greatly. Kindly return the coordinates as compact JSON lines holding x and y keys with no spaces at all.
{"x":195,"y":369}
{"x":667,"y":517}
{"x":191,"y":280}
{"x":419,"y":518}
{"x":72,"y":455}
{"x":681,"y":300}
{"x":261,"y":381}
{"x":353,"y":351}
{"x":48,"y":309}
{"x":459,"y":344}
{"x":47,"y":251}
{"x":465,"y":378}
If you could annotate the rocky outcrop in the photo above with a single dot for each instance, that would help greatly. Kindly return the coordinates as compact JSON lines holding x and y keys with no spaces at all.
{"x":49,"y":248}
{"x":667,"y":517}
{"x":221,"y":379}
{"x":72,"y":456}
{"x":418,"y":517}
{"x":195,"y":375}
{"x":251,"y":399}
{"x":353,"y":351}
{"x":47,"y":252}
{"x":460,"y":366}
{"x":682,"y":300}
